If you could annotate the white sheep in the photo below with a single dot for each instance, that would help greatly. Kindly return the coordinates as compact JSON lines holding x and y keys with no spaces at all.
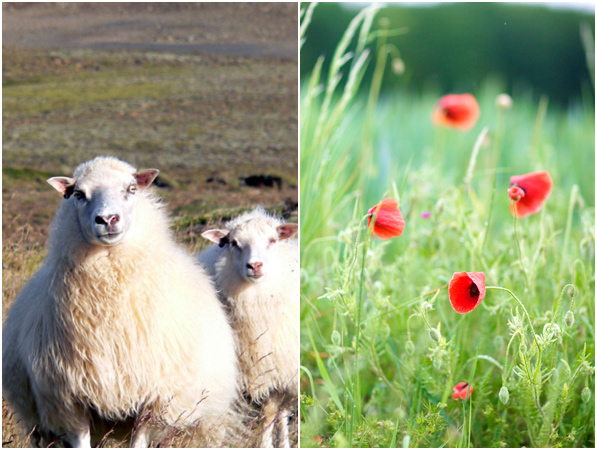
{"x":119,"y":322}
{"x":255,"y":267}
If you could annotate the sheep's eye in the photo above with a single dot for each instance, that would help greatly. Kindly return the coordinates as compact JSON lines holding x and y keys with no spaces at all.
{"x":234,"y":243}
{"x":79,"y":195}
{"x":132,"y":189}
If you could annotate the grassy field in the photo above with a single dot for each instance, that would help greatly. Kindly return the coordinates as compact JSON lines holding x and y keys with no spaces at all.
{"x":381,"y":346}
{"x":205,"y":121}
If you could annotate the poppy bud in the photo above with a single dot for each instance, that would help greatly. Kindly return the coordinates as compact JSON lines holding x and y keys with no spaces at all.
{"x":569,"y":318}
{"x":336,"y":338}
{"x":551,"y":331}
{"x":410,"y":347}
{"x":503,"y":101}
{"x":504,"y":395}
{"x":426,"y":306}
{"x":522,"y":348}
{"x":585,"y":395}
{"x":398,"y":66}
{"x":434,"y":334}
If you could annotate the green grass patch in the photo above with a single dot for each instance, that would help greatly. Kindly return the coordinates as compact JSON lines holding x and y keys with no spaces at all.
{"x":24,"y":174}
{"x":68,"y":93}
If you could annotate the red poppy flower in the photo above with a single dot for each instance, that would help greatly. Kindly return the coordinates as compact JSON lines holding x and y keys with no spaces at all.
{"x":466,"y":290}
{"x":389,"y":222}
{"x":462,"y":390}
{"x":459,"y":111}
{"x":536,"y":187}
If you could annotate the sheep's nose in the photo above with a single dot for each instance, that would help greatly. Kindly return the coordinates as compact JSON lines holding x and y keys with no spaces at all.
{"x":255,"y":266}
{"x":107,"y":220}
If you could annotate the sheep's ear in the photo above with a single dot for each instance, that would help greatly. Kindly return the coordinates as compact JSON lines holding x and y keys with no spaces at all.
{"x":64,"y":185}
{"x":287,"y":230}
{"x":220,"y":237}
{"x":145,"y":177}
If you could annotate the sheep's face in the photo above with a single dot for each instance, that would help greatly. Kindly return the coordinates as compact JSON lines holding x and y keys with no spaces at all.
{"x":252,"y":247}
{"x":105,"y":202}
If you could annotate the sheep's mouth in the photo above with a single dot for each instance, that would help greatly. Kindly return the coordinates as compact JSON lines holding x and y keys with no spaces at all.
{"x":255,"y":277}
{"x":110,"y":237}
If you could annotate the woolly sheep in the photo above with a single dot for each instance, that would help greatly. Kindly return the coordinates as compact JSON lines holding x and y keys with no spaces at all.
{"x":119,"y":322}
{"x":255,"y":267}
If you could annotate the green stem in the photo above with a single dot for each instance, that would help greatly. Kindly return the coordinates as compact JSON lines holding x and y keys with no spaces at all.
{"x":571,"y":204}
{"x":409,"y":303}
{"x":356,"y":404}
{"x":506,"y":372}
{"x":497,"y":151}
{"x":519,"y":247}
{"x":528,"y":318}
{"x":471,"y":165}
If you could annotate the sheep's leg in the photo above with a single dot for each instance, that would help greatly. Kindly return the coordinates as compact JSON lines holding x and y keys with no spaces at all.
{"x":269,"y":412}
{"x":283,"y":428}
{"x":140,"y":438}
{"x":82,"y":437}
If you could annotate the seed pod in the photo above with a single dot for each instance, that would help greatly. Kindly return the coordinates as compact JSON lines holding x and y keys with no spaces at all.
{"x":569,"y":318}
{"x":434,"y":334}
{"x":504,"y":395}
{"x":410,"y":347}
{"x":586,"y":395}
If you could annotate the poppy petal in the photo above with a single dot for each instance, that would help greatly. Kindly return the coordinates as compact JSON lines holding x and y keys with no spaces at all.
{"x":459,"y":111}
{"x":389,"y":222}
{"x":462,"y":390}
{"x":537,"y":188}
{"x":466,"y":291}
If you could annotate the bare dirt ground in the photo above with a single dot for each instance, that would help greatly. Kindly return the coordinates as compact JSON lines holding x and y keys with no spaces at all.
{"x":241,"y":29}
{"x":205,"y":92}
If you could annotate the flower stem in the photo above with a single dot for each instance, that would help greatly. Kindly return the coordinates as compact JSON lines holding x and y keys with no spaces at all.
{"x":528,"y":318}
{"x":519,"y":247}
{"x":497,"y":151}
{"x":356,"y":402}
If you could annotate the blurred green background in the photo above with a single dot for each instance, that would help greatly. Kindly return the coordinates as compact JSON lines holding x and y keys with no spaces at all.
{"x":455,"y":47}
